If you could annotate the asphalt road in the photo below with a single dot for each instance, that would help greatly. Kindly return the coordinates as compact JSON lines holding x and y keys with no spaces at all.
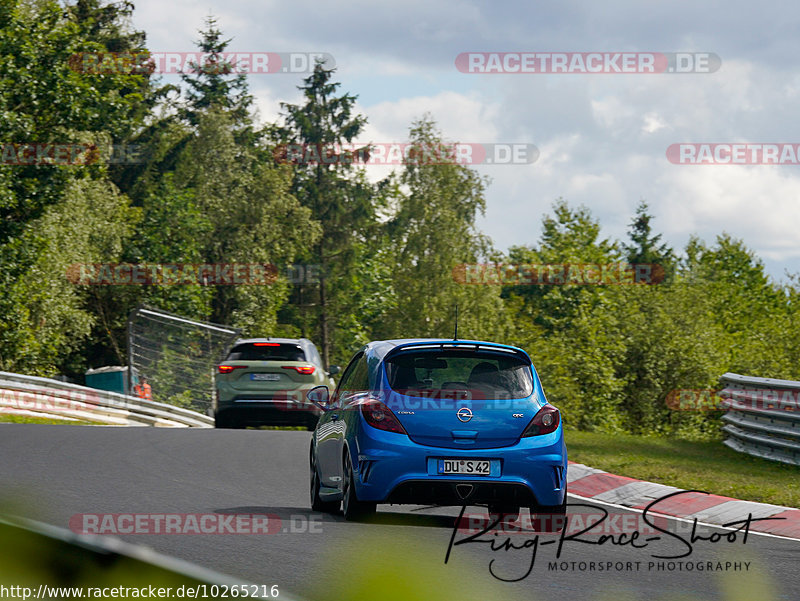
{"x":51,"y":473}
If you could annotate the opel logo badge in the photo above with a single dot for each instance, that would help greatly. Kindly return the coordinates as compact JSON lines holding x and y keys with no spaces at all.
{"x":464,"y":414}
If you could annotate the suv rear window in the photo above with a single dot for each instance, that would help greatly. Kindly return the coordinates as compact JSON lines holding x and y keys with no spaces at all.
{"x":484,"y":374}
{"x":266,"y":351}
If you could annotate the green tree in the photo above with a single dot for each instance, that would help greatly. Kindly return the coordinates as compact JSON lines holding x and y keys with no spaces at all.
{"x":339,"y":197}
{"x":45,"y":319}
{"x":431,"y":234}
{"x":45,"y":224}
{"x":647,"y":248}
{"x":672,"y":341}
{"x":569,"y":236}
{"x":107,"y":23}
{"x":44,"y":99}
{"x":570,"y":330}
{"x":216,"y":83}
{"x":253,"y":215}
{"x":755,"y":312}
{"x":211,"y":193}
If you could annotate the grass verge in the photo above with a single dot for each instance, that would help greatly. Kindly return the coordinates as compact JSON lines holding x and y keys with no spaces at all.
{"x":27,"y":419}
{"x":707,"y":466}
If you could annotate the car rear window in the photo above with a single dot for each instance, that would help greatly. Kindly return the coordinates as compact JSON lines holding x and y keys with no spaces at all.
{"x":483,"y":374}
{"x":266,"y":351}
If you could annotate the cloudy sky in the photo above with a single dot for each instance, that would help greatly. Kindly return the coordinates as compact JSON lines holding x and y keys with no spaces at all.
{"x":602,"y":138}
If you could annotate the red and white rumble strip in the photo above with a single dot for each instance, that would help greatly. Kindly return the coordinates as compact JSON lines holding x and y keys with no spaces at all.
{"x":597,"y":485}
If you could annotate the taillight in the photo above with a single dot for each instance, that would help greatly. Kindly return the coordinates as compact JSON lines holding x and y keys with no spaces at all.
{"x":306,"y":370}
{"x":226,"y":369}
{"x":266,"y":344}
{"x":381,"y":417}
{"x":545,"y":421}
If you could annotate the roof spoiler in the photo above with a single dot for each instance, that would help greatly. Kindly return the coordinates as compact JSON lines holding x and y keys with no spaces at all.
{"x":459,"y":344}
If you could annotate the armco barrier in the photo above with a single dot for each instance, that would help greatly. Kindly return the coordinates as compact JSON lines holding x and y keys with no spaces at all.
{"x":763,"y":417}
{"x":33,"y":395}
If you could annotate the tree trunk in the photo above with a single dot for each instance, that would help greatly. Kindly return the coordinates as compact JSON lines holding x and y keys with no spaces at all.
{"x":323,"y":313}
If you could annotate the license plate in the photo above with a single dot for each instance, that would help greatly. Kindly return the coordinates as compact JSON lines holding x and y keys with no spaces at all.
{"x":476,"y":467}
{"x":265,"y":377}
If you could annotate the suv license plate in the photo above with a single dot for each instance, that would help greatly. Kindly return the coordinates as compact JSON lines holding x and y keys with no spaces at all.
{"x":475,"y":467}
{"x":265,"y":377}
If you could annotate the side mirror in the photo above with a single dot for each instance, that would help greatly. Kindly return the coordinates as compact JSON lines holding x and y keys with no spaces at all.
{"x":320,"y":396}
{"x":333,"y":370}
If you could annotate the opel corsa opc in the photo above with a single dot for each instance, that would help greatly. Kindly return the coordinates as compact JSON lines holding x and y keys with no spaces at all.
{"x":438,"y":422}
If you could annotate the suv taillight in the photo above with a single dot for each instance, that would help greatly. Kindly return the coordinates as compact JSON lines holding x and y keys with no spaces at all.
{"x":226,"y":369}
{"x":305,"y":370}
{"x":545,"y":421}
{"x":381,"y":417}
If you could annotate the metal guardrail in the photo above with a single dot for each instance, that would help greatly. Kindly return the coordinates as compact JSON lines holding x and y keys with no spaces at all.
{"x":763,"y":417}
{"x":32,"y":395}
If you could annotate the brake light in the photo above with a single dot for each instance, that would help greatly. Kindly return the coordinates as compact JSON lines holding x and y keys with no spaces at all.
{"x":545,"y":421}
{"x":305,"y":370}
{"x":266,"y":344}
{"x":381,"y":417}
{"x":226,"y":369}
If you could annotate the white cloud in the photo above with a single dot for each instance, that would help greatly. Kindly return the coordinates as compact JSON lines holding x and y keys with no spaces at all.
{"x":652,"y":122}
{"x":759,"y":204}
{"x":461,"y":118}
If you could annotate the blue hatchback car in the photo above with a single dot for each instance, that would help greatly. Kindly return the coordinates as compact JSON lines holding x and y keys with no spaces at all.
{"x":438,"y":422}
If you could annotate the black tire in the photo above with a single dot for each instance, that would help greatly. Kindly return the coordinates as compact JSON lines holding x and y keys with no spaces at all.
{"x":549,"y":518}
{"x":505,"y":513}
{"x":353,"y":509}
{"x":224,"y":420}
{"x":317,"y":504}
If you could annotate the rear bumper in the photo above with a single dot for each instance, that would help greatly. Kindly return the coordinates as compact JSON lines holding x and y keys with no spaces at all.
{"x":393,"y":469}
{"x":270,"y":412}
{"x":428,"y":492}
